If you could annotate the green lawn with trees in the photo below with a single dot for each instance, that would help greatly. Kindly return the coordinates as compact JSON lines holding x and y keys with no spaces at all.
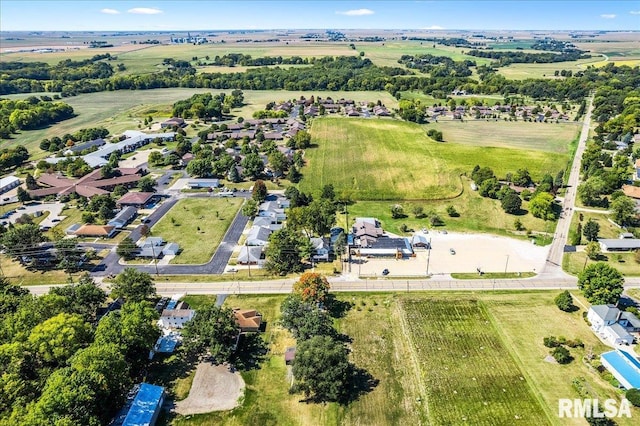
{"x":193,"y":221}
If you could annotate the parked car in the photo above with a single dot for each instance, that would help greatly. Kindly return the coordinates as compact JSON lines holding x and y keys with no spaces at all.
{"x":385,"y":272}
{"x":452,"y":251}
{"x":232,"y":270}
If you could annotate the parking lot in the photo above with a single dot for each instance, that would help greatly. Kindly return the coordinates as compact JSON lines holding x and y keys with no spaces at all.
{"x":472,"y":252}
{"x":54,"y":209}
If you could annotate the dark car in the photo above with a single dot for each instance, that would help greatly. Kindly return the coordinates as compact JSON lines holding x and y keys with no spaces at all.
{"x":385,"y":272}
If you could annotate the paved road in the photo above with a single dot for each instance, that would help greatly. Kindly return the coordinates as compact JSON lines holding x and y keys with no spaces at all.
{"x":445,"y":283}
{"x":554,"y":259}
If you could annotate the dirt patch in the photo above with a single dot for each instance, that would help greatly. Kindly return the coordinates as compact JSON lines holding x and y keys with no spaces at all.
{"x":214,"y":388}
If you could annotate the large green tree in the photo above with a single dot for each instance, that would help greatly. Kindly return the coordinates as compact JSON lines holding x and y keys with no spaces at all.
{"x":133,"y":285}
{"x":601,"y":283}
{"x":126,"y":248}
{"x":22,"y":240}
{"x":623,"y":210}
{"x":591,"y":230}
{"x":56,"y":339}
{"x":83,"y":298}
{"x":312,"y":287}
{"x":304,"y":319}
{"x":283,"y":252}
{"x":321,"y":369}
{"x":212,"y":332}
{"x":542,"y":206}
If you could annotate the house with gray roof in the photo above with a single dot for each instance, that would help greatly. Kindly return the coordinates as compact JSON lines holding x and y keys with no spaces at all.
{"x":258,"y":236}
{"x":617,"y":335}
{"x":619,"y":244}
{"x":613,"y":324}
{"x":123,"y":217}
{"x":601,"y":316}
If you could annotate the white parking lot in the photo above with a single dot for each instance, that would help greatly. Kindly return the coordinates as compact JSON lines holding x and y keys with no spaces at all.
{"x":489,"y":253}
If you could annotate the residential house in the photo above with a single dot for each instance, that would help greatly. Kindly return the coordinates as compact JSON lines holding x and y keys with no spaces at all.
{"x":601,"y":316}
{"x":123,"y":217}
{"x":381,"y":111}
{"x":617,"y":335}
{"x":135,"y":199}
{"x":321,"y":248}
{"x":175,"y":318}
{"x":258,"y":236}
{"x":174,"y":121}
{"x":623,"y":366}
{"x":249,"y":320}
{"x":272,"y":210}
{"x":150,"y":247}
{"x":101,"y":231}
{"x":251,"y":255}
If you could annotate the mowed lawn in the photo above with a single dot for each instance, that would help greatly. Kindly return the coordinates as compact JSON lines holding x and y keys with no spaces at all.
{"x":380,"y":159}
{"x":198,"y":226}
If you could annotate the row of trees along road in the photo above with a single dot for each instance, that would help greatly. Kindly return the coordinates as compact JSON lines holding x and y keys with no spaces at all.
{"x":62,"y":365}
{"x":321,"y":366}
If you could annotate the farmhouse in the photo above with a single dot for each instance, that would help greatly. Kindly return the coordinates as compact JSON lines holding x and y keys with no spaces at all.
{"x":8,"y":183}
{"x":613,"y":324}
{"x":146,"y":406}
{"x":249,"y":320}
{"x":624,"y":367}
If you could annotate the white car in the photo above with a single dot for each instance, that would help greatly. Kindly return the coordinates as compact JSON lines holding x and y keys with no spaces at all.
{"x":231,"y":270}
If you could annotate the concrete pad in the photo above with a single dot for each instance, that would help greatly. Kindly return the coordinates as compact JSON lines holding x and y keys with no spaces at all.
{"x":490,"y":253}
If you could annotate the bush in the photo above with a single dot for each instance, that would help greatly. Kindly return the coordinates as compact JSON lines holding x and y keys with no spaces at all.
{"x":633,"y":395}
{"x":564,"y":301}
{"x":576,"y":343}
{"x":562,"y":355}
{"x":551,"y":342}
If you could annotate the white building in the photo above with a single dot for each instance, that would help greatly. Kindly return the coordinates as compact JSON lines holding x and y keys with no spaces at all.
{"x":617,"y":335}
{"x":175,"y":318}
{"x":8,"y":183}
{"x":601,"y":316}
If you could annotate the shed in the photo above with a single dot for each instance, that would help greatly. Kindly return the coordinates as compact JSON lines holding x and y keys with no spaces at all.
{"x":146,"y":406}
{"x":289,"y":355}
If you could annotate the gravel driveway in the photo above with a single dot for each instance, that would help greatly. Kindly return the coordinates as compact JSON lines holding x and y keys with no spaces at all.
{"x":214,"y":388}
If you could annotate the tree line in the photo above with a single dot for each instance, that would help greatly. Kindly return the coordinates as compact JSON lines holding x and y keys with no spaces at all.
{"x":504,"y":58}
{"x":29,"y":114}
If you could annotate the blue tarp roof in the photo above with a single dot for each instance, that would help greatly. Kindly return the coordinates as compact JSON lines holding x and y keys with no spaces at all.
{"x":172,"y":304}
{"x":166,"y":344}
{"x":626,"y":366}
{"x":144,"y":406}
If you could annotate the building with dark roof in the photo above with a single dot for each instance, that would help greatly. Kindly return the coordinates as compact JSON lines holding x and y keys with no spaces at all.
{"x":134,"y":199}
{"x":123,"y":217}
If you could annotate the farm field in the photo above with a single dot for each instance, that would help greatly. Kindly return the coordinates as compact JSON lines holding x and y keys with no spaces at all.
{"x":197,"y":225}
{"x":393,"y":160}
{"x":389,"y":339}
{"x":522,"y":71}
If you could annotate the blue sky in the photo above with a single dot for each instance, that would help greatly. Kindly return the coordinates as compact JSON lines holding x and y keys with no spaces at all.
{"x":165,"y":15}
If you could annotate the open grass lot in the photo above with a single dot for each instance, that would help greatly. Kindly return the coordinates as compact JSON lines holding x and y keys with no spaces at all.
{"x":423,"y":348}
{"x":548,"y":137}
{"x":607,"y":229}
{"x":523,"y":71}
{"x":197,"y":225}
{"x":388,"y":53}
{"x":474,"y":212}
{"x":19,"y":275}
{"x":574,"y":263}
{"x":394,"y":160}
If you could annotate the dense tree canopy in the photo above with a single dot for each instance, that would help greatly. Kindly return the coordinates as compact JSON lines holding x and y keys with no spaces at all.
{"x":212,"y":333}
{"x":601,"y":283}
{"x":133,"y":285}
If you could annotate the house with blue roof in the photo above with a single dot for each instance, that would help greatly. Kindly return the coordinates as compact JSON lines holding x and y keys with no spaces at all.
{"x":623,"y":366}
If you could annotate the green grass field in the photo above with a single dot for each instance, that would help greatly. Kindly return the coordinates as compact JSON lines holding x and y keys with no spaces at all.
{"x":394,"y":160}
{"x":425,"y":350}
{"x":464,"y":367}
{"x":574,"y":263}
{"x":197,"y":225}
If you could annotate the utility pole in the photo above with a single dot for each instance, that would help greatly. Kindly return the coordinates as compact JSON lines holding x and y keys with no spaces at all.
{"x":505,"y":265}
{"x":155,"y":259}
{"x":428,"y":256}
{"x":248,"y":261}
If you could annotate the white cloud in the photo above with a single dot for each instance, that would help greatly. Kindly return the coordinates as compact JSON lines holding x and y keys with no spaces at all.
{"x":608,"y":16}
{"x":635,"y":12}
{"x":356,"y":12}
{"x":433,"y":27}
{"x":110,"y":11}
{"x":144,"y":11}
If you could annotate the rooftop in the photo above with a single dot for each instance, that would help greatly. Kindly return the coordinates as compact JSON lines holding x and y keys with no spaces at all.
{"x":135,"y":198}
{"x":144,"y":406}
{"x":625,"y":366}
